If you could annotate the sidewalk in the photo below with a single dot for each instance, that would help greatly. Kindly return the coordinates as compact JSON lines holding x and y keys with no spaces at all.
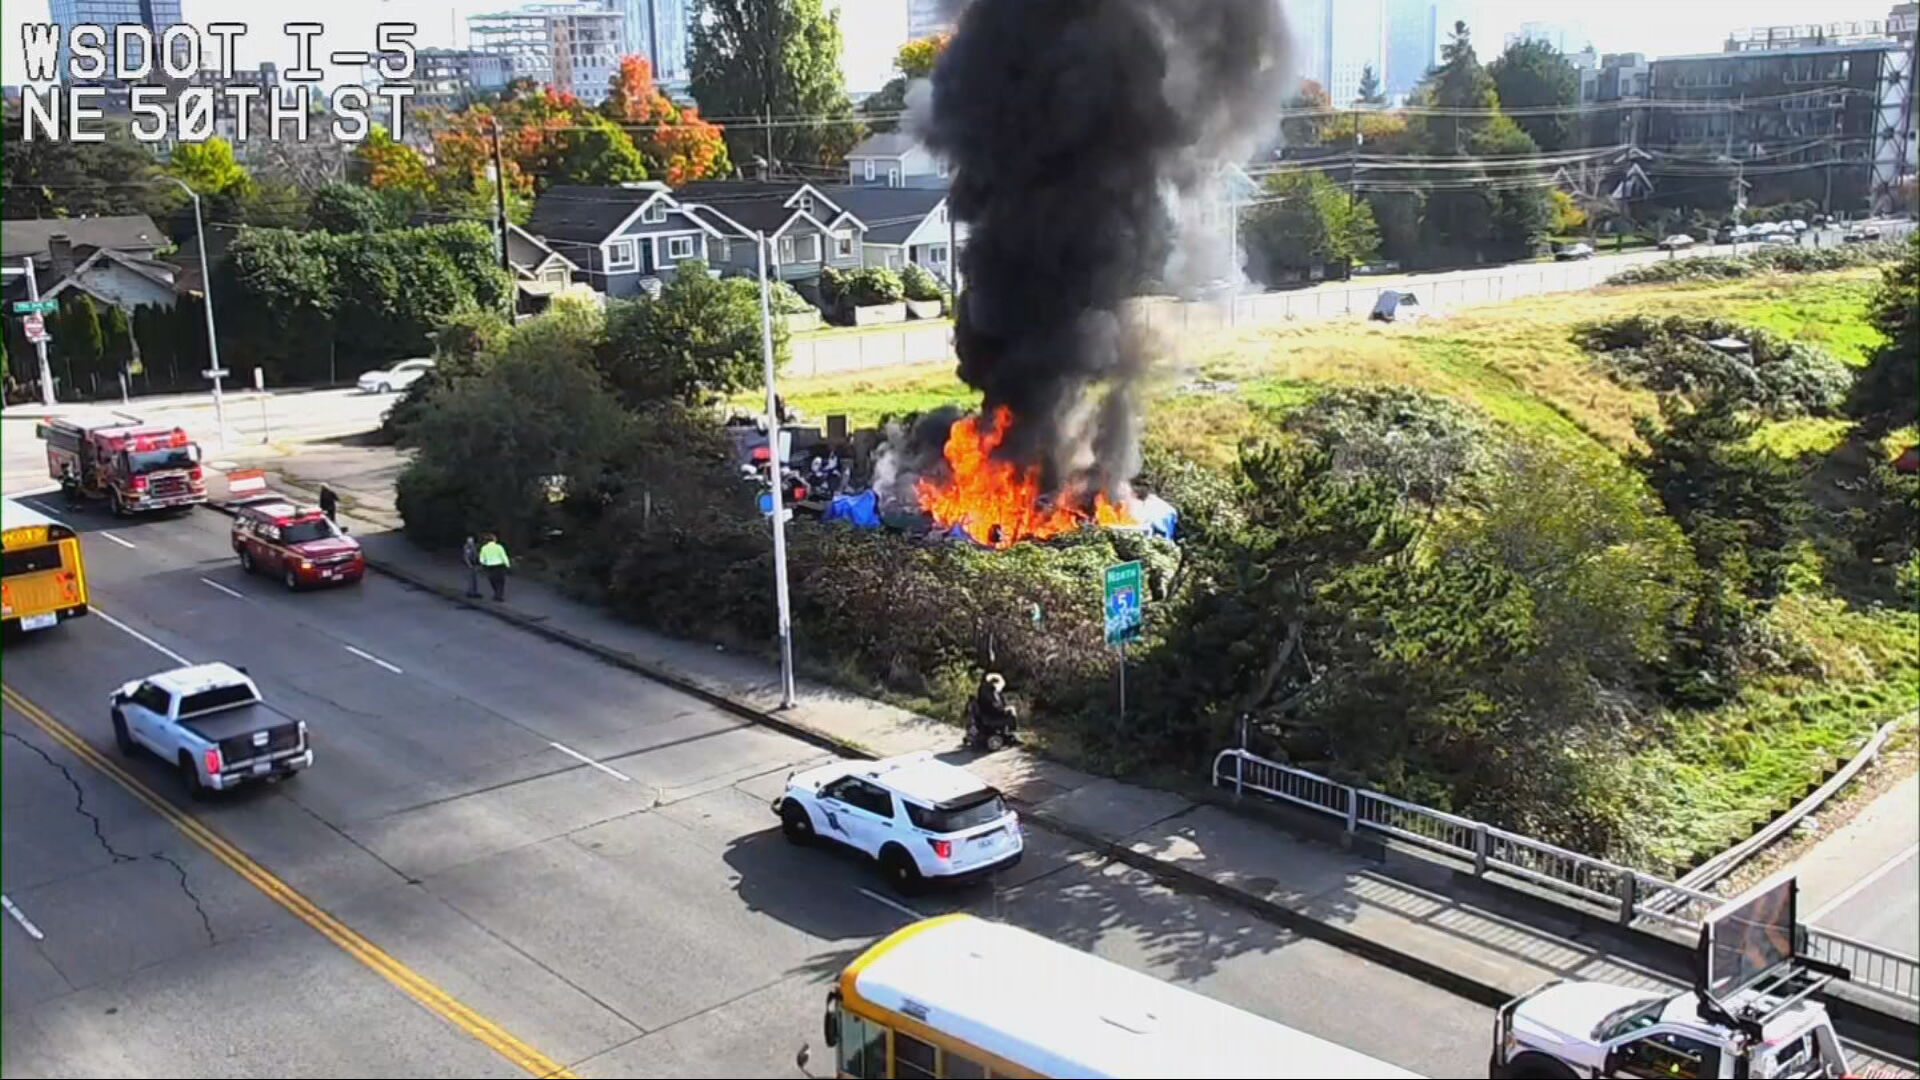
{"x":1417,"y":915}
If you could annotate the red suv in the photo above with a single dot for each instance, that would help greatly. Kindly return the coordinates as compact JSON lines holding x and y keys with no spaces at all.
{"x":297,"y":543}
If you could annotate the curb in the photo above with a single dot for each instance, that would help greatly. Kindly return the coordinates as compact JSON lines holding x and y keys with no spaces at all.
{"x":1185,"y":880}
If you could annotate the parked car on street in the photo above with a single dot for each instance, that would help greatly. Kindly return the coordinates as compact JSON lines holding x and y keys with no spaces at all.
{"x":1676,"y":242}
{"x":1574,"y":251}
{"x":919,"y":817}
{"x":297,"y":544}
{"x":395,"y":378}
{"x":209,"y":721}
{"x":1780,"y":238}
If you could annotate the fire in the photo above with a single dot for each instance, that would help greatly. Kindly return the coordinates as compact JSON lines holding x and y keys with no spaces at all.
{"x":997,"y":502}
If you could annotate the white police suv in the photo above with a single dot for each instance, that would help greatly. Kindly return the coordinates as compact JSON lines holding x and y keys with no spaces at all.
{"x":920,"y":817}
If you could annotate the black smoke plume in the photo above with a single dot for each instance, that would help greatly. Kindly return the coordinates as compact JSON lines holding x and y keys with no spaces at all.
{"x":1073,"y":128}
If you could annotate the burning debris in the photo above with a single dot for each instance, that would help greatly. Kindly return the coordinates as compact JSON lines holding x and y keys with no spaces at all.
{"x":1076,"y":128}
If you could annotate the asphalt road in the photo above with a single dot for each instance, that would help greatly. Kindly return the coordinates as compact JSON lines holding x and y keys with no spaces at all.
{"x":1864,"y":880}
{"x":637,"y":916}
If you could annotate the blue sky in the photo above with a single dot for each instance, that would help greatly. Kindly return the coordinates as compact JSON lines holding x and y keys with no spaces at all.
{"x":874,"y":28}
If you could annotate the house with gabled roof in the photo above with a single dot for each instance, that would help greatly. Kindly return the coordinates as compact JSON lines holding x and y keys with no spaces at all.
{"x":895,"y":159}
{"x":539,"y":271}
{"x":624,"y":239}
{"x":807,"y":230}
{"x":903,"y":225}
{"x":112,"y":259}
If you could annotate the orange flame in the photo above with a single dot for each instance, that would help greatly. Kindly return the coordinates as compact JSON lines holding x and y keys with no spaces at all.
{"x":996,"y":502}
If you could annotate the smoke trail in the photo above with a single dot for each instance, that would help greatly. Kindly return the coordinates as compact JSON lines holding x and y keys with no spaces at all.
{"x":1073,"y":128}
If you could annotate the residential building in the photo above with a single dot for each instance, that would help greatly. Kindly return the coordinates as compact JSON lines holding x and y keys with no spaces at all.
{"x":1903,"y":20}
{"x":623,"y":240}
{"x":895,"y":159}
{"x":1357,"y":40}
{"x":903,"y":225}
{"x":807,"y":231}
{"x":155,"y":15}
{"x":1820,"y":112}
{"x":112,"y":259}
{"x":539,"y":271}
{"x":452,"y":78}
{"x":574,"y":45}
{"x":1619,"y":81}
{"x":661,"y":31}
{"x":928,"y":17}
{"x":1568,"y":36}
{"x":1413,"y":44}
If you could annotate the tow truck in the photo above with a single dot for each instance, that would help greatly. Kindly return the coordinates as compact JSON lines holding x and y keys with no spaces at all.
{"x":134,"y":466}
{"x":1751,"y":1013}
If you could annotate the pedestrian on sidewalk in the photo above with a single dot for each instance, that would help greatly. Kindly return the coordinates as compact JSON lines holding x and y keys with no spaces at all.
{"x":329,"y":504}
{"x":470,"y":558}
{"x":493,"y":559}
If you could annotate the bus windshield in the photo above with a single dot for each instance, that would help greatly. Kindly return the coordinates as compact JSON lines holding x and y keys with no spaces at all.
{"x":172,"y":457}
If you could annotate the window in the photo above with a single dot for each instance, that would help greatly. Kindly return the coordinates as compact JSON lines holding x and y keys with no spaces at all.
{"x":863,"y":1047}
{"x":621,"y":255}
{"x":726,"y":251}
{"x":893,"y":176}
{"x":960,"y":814}
{"x":32,"y":560}
{"x":680,"y":247}
{"x":869,"y":166}
{"x":810,"y":248}
{"x":301,"y":532}
{"x":912,"y":1059}
{"x":959,"y":1068}
{"x":152,"y":698}
{"x":862,"y":795}
{"x":806,"y":204}
{"x":655,"y":213}
{"x":843,"y":243}
{"x":217,"y":698}
{"x":787,"y":250}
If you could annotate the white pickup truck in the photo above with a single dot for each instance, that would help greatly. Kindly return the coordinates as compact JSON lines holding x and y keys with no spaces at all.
{"x":209,"y":721}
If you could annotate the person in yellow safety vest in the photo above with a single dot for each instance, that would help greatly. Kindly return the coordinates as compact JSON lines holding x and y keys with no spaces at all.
{"x":493,"y":559}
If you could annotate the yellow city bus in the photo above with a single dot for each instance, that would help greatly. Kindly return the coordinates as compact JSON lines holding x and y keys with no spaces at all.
{"x":45,"y":580}
{"x":958,"y":996}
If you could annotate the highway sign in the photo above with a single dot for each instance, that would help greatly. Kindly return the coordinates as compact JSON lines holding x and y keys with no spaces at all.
{"x":35,"y":307}
{"x":1123,"y":588}
{"x":36,"y":328}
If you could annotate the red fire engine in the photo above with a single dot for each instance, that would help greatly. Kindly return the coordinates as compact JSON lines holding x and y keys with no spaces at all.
{"x":134,"y":466}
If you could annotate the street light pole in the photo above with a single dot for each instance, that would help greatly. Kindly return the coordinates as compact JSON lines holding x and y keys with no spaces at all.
{"x":774,"y":463}
{"x":206,"y":293}
{"x":40,"y":345}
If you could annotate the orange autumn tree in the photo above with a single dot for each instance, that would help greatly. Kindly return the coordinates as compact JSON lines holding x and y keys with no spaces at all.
{"x":386,"y":165}
{"x":547,"y":137}
{"x":676,"y":143}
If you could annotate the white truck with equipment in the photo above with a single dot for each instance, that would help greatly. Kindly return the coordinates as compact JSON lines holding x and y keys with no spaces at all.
{"x":1751,"y":1012}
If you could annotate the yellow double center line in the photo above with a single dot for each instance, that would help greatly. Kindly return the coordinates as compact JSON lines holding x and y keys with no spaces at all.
{"x":411,"y":982}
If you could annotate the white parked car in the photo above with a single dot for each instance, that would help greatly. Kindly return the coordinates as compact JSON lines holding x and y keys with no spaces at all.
{"x":398,"y":377}
{"x":918,"y":816}
{"x":1677,"y":240}
{"x":1574,"y":251}
{"x":1779,"y":238}
{"x":1798,"y":225}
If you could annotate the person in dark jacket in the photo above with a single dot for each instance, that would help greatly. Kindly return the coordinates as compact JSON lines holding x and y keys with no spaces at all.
{"x":992,"y":710}
{"x":329,"y":503}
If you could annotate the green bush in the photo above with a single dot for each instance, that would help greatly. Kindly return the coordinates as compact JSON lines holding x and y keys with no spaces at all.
{"x":786,"y":300}
{"x":872,"y":285}
{"x":920,"y":284}
{"x":701,"y":339}
{"x":1775,"y":376}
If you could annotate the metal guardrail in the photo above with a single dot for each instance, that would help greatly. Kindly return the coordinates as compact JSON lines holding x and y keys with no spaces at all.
{"x":1627,"y":894}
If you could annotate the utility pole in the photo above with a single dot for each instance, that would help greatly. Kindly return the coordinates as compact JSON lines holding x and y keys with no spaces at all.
{"x":500,"y":196}
{"x":39,"y":343}
{"x":215,"y":372}
{"x":774,"y":463}
{"x":769,"y":175}
{"x":1353,"y":180}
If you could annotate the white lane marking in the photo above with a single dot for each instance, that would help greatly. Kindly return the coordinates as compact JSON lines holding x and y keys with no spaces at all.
{"x":1854,"y":890}
{"x":122,"y":543}
{"x":892,"y":903}
{"x":585,"y":760}
{"x":162,"y":649}
{"x":53,"y":514}
{"x":364,"y":655}
{"x":21,"y":918}
{"x":235,"y":593}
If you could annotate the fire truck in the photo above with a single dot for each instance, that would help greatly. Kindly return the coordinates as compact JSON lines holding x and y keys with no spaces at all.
{"x":134,"y":466}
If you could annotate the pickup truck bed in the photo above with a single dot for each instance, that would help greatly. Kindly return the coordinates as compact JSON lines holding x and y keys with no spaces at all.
{"x":239,"y":720}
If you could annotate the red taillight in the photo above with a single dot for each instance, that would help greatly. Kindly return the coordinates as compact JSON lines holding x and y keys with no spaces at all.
{"x":195,"y":474}
{"x":213,"y":761}
{"x":799,"y":493}
{"x":942,"y":848}
{"x":69,"y":585}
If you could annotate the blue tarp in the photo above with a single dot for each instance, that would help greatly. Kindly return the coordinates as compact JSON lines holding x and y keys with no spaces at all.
{"x":862,"y":510}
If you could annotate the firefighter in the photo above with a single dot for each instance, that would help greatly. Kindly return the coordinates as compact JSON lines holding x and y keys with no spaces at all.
{"x":493,"y":559}
{"x":329,"y":503}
